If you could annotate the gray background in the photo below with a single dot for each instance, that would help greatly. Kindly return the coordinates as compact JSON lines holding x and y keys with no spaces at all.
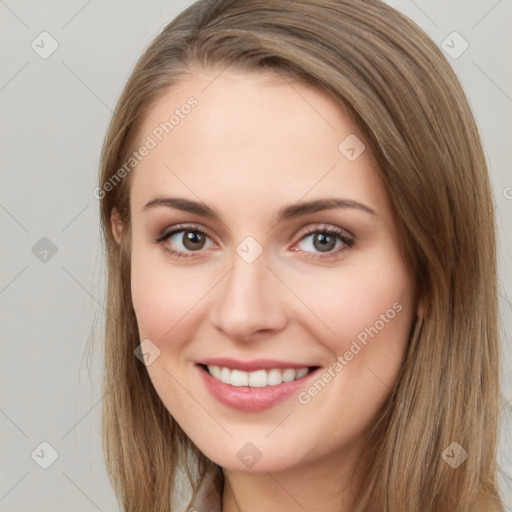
{"x":54,"y":114}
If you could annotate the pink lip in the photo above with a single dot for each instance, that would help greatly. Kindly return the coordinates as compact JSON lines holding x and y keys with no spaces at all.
{"x":250,"y":366}
{"x":249,"y":399}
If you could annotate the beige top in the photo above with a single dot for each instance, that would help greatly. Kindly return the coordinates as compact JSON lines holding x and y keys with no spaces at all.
{"x":208,"y":497}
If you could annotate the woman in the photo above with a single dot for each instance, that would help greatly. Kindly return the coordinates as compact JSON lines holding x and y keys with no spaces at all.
{"x":302,"y":304}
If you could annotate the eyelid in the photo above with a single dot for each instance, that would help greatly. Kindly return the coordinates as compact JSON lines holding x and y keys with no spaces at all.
{"x":166,"y":233}
{"x":323,"y":227}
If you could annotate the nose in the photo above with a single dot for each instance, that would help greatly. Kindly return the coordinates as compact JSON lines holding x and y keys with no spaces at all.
{"x":248,"y":301}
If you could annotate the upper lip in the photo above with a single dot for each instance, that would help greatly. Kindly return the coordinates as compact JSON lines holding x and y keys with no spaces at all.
{"x":254,"y":364}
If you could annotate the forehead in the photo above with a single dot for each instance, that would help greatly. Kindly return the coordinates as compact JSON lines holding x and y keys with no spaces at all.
{"x":244,"y":138}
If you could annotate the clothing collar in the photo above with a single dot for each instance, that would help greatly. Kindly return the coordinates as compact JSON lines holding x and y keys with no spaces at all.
{"x":208,"y":497}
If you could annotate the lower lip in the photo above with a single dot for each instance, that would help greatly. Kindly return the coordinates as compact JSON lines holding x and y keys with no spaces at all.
{"x":247,"y":398}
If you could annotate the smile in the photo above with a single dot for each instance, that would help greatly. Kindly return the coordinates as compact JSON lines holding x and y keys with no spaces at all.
{"x":253,"y":391}
{"x":258,"y":378}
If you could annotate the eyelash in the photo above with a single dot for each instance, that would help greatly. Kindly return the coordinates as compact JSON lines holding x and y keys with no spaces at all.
{"x":328,"y":230}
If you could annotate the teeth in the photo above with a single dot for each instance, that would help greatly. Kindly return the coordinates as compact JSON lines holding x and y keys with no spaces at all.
{"x":256,"y":379}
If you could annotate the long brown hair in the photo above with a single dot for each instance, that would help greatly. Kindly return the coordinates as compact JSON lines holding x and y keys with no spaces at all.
{"x":399,"y":89}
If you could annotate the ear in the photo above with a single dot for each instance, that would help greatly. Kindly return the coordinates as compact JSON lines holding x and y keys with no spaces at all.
{"x":117,"y":225}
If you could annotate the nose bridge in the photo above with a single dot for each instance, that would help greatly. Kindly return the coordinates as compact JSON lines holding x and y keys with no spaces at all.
{"x":247,"y":301}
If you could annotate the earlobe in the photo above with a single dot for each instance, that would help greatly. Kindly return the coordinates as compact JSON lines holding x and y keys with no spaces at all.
{"x":117,"y":225}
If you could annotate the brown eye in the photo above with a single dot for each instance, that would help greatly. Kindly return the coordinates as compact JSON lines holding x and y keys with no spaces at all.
{"x":185,"y":240}
{"x":193,"y":240}
{"x":324,"y":242}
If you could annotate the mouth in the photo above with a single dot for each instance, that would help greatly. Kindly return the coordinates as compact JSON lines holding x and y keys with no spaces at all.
{"x":254,"y":391}
{"x":260,"y":378}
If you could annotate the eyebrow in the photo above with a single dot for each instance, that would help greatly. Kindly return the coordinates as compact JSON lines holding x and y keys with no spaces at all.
{"x":287,"y":212}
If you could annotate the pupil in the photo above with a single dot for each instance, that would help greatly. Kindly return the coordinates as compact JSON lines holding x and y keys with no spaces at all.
{"x":327,"y":242}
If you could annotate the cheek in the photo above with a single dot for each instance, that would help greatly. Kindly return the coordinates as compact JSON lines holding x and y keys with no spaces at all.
{"x":163,"y":294}
{"x":370,"y":310}
{"x":350,"y":303}
{"x":366,"y":314}
{"x":163,"y":300}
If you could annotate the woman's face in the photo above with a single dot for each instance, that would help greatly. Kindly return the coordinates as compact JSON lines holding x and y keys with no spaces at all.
{"x":264,"y":271}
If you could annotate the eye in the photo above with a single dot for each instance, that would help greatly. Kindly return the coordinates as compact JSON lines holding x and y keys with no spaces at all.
{"x":327,"y":240}
{"x":182,"y":240}
{"x":324,"y":241}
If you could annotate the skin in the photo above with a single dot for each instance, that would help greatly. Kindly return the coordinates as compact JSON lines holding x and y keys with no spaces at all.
{"x":253,"y":144}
